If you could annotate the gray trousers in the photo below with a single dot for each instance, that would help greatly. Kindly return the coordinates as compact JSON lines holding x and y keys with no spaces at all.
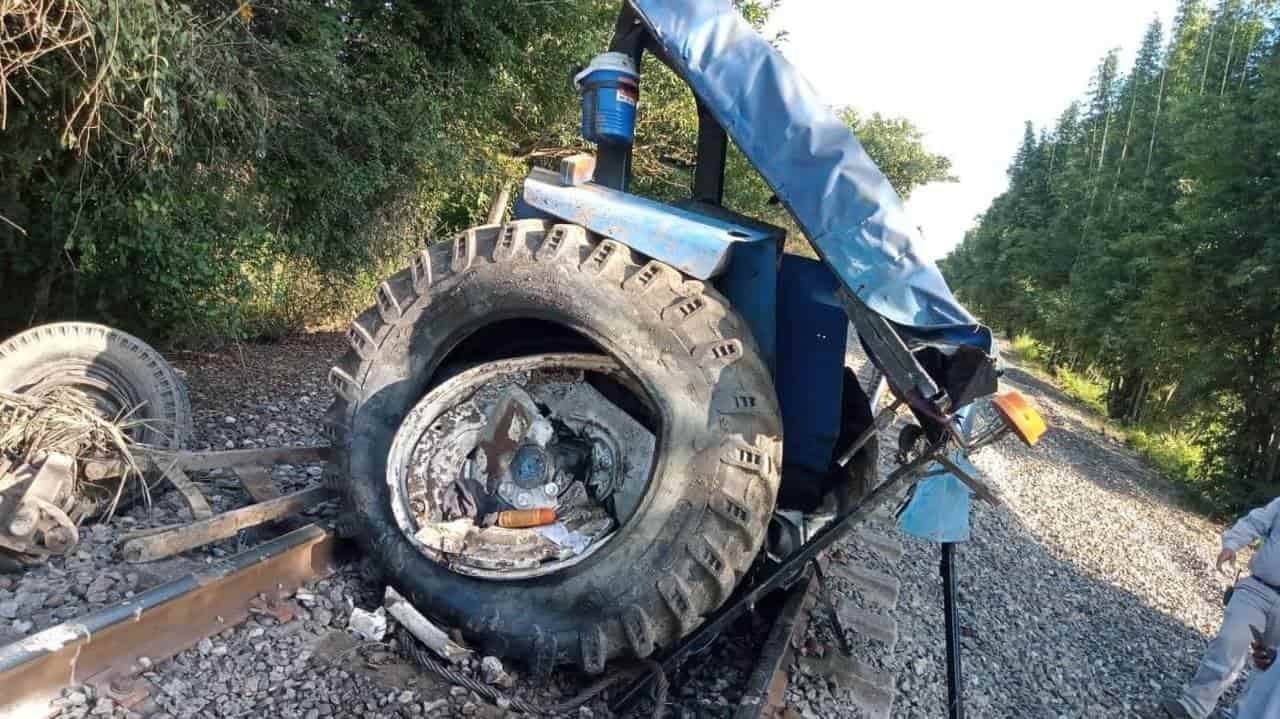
{"x":1253,"y":604}
{"x":1262,"y":700}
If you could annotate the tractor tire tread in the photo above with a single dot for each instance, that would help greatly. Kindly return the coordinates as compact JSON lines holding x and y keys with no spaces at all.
{"x":718,"y":528}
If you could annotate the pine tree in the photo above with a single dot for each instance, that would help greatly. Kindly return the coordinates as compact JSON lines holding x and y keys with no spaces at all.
{"x":1139,"y":239}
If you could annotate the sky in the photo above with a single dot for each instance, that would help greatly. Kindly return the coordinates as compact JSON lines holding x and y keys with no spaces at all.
{"x":969,"y":74}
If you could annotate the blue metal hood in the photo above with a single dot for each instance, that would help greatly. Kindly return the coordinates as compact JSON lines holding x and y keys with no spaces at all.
{"x":815,"y":164}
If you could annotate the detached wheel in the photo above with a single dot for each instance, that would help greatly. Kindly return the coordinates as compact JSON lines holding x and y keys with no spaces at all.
{"x":529,"y":366}
{"x":120,"y":373}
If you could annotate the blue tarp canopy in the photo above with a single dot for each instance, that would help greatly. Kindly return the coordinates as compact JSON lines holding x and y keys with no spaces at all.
{"x":812,"y":160}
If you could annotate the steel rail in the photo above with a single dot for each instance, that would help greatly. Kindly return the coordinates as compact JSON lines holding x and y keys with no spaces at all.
{"x":767,"y":681}
{"x":104,"y":647}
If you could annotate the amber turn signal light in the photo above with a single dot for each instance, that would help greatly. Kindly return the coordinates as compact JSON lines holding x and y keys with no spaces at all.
{"x":1020,"y":416}
{"x":523,"y":518}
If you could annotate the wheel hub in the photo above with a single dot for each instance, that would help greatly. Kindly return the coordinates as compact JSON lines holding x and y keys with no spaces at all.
{"x":529,"y":433}
{"x":529,"y":467}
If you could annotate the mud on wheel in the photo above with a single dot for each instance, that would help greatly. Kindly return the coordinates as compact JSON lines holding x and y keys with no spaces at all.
{"x":531,"y":365}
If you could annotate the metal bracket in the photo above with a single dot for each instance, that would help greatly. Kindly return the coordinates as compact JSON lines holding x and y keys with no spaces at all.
{"x":889,"y":352}
{"x":693,"y":241}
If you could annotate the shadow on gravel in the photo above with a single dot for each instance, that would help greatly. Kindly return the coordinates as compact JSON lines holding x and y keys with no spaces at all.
{"x":1044,"y":638}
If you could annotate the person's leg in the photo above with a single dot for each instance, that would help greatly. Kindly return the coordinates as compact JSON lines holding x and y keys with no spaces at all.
{"x":1262,"y":699}
{"x":1247,"y":702}
{"x":1225,"y":656}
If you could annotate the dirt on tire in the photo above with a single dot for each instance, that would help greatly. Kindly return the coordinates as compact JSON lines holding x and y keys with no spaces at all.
{"x":715,"y":475}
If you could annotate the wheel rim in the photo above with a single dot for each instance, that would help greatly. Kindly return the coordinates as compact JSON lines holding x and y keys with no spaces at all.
{"x":520,"y":434}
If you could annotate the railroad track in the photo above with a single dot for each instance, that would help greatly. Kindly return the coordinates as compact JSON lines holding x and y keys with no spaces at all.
{"x":104,"y":648}
{"x":868,"y":617}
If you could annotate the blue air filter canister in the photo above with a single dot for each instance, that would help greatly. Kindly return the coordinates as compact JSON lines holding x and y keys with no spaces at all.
{"x":610,"y":88}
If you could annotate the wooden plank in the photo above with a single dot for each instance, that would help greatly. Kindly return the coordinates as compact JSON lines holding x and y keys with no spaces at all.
{"x":222,"y":526}
{"x":256,"y":480}
{"x":199,"y":461}
{"x":196,"y":502}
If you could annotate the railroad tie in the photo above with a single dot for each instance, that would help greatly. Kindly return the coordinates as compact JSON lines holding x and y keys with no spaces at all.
{"x":880,"y":627}
{"x":878,"y":587}
{"x":884,"y":545}
{"x":871,"y":690}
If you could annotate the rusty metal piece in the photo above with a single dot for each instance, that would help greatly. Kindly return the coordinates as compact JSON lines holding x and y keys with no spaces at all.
{"x":34,"y":501}
{"x":126,"y":692}
{"x":281,"y":610}
{"x":577,"y":169}
{"x":157,"y":623}
{"x":197,"y":534}
{"x":767,"y":683}
{"x":522,"y":518}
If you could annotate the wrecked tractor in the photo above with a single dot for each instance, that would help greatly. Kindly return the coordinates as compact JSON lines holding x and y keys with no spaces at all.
{"x":573,"y":433}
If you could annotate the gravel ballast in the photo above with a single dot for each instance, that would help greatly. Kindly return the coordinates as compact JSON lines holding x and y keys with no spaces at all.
{"x":1089,"y":593}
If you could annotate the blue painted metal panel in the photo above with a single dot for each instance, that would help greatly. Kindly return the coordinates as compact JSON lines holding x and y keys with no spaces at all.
{"x":812,"y":335}
{"x":750,"y":282}
{"x":697,"y":244}
{"x":811,"y":159}
{"x":939,"y":507}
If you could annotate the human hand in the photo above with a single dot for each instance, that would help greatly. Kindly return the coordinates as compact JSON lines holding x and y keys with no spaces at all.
{"x":1263,"y":656}
{"x":1226,"y":556}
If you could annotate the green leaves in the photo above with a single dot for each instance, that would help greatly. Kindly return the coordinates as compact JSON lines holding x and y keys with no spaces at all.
{"x":898,"y":147}
{"x":1161,"y":198}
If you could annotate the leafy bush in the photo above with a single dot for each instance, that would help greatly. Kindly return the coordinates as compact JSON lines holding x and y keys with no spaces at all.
{"x":1083,"y":388}
{"x":1027,"y":348}
{"x":1173,"y":454}
{"x":226,"y":169}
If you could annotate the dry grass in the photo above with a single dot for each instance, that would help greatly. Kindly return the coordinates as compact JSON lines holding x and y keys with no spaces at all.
{"x":66,"y":421}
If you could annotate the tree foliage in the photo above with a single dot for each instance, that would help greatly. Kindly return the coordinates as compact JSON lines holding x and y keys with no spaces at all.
{"x":217,"y":168}
{"x":1140,"y":240}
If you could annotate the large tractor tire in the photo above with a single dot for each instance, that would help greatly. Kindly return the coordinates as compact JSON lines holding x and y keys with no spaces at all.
{"x":121,"y":374}
{"x":715,"y":464}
